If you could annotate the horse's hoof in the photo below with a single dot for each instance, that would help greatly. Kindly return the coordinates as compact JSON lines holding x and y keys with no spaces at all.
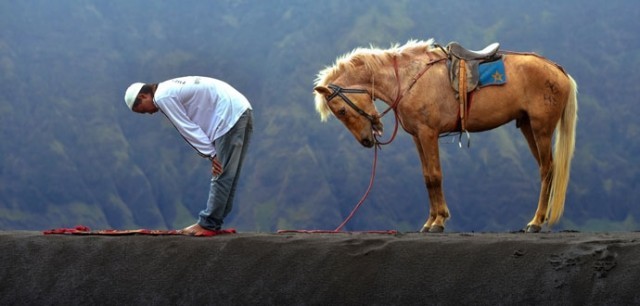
{"x":533,"y":228}
{"x":424,"y":229}
{"x":436,"y":229}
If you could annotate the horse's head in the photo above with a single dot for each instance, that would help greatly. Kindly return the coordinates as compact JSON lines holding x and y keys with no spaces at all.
{"x":354,"y":107}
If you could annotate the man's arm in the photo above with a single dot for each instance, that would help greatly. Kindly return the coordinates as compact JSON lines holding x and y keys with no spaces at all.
{"x":190,"y":131}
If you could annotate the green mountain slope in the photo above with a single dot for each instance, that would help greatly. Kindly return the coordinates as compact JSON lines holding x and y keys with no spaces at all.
{"x":72,"y":153}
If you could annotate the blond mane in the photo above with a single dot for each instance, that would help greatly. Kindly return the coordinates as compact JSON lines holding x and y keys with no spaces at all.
{"x":372,"y":58}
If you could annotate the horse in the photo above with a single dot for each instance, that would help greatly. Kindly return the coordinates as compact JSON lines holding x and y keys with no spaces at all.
{"x":414,"y":81}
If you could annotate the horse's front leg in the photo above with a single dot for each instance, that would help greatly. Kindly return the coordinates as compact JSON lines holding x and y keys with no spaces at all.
{"x":427,"y":146}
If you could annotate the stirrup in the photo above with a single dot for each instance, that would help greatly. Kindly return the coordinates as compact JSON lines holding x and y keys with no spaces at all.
{"x":468,"y":139}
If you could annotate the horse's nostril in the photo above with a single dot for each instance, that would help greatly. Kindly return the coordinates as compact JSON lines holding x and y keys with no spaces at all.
{"x":366,"y":142}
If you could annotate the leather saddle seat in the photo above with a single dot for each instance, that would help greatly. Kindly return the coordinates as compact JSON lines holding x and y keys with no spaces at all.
{"x":460,"y":52}
{"x":471,"y":60}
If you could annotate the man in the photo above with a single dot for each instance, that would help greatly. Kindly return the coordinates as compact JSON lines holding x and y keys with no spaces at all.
{"x":216,"y":120}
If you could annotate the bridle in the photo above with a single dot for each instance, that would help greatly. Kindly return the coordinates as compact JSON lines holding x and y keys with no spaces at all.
{"x":340,"y":92}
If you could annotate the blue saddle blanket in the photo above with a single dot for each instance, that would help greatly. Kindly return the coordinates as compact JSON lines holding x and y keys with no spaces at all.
{"x":492,"y":73}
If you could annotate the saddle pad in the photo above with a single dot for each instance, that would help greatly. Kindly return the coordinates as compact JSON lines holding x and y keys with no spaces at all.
{"x":83,"y":230}
{"x":492,"y":73}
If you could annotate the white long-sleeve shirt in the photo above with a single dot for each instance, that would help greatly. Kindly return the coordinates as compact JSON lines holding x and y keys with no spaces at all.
{"x":202,"y":109}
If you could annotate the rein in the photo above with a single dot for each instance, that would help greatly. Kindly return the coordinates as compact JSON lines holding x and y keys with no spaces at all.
{"x":400,"y":95}
{"x":337,"y":91}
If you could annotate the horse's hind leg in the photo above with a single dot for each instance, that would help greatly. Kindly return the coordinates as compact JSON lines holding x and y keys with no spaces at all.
{"x":540,"y":146}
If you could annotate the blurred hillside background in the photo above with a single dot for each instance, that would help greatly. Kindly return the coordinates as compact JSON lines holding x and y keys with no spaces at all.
{"x":72,"y":153}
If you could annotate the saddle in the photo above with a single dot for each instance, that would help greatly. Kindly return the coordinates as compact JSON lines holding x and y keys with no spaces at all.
{"x":463,"y":71}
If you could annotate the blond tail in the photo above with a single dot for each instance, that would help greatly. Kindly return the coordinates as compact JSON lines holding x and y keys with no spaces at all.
{"x":562,"y":155}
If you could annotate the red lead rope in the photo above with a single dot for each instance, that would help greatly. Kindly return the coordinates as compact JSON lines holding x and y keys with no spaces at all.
{"x":364,"y":197}
{"x":355,"y":209}
{"x":378,"y":146}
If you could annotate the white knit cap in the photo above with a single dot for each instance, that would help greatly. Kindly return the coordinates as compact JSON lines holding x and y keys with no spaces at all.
{"x":132,"y":93}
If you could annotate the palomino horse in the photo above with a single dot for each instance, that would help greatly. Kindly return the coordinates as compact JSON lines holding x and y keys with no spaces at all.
{"x":413,"y":80}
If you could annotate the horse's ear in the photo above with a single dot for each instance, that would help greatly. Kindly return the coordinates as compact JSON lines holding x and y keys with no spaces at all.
{"x":322,"y":90}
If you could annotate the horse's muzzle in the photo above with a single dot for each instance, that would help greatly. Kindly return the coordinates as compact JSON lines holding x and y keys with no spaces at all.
{"x":370,"y":139}
{"x":367,"y":142}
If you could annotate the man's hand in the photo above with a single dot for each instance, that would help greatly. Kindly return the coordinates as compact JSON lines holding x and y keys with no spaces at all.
{"x":216,"y":166}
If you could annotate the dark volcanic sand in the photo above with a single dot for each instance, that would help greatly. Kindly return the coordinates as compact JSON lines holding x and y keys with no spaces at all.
{"x":321,"y":269}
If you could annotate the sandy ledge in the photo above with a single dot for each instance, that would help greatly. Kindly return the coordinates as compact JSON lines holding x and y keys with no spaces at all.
{"x":321,"y":269}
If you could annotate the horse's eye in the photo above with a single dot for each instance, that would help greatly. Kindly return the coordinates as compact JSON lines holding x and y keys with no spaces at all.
{"x":342,"y":112}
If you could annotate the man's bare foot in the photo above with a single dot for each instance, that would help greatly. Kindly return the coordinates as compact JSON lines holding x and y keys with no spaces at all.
{"x":196,"y":230}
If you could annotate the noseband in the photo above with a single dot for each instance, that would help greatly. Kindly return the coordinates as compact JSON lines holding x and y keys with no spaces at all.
{"x":340,"y":92}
